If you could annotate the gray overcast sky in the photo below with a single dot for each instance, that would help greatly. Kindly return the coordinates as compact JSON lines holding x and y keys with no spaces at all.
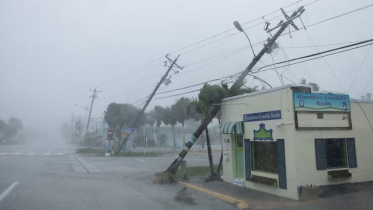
{"x":52,"y":52}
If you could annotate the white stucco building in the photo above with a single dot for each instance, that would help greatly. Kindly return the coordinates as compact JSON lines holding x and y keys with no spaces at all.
{"x":282,"y":139}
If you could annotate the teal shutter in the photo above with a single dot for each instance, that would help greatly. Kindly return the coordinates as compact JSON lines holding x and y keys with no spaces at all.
{"x":247,"y":145}
{"x":281,"y":164}
{"x":320,"y":154}
{"x":351,"y":153}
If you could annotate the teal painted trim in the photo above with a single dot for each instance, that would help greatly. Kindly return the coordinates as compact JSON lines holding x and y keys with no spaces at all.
{"x":193,"y":138}
{"x":233,"y":127}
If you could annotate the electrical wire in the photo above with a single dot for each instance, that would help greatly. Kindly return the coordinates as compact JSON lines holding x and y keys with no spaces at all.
{"x":261,"y":69}
{"x":371,"y":128}
{"x":331,"y":18}
{"x":324,"y":45}
{"x":231,"y":29}
{"x":326,"y":51}
{"x":140,"y":100}
{"x":327,"y":63}
{"x":186,"y":87}
{"x":176,"y":94}
{"x":119,"y":78}
{"x":362,"y":63}
{"x":291,"y":39}
{"x":370,"y":77}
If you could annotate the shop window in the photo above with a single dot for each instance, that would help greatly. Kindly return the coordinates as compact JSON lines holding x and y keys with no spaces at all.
{"x":335,"y":152}
{"x":264,"y":156}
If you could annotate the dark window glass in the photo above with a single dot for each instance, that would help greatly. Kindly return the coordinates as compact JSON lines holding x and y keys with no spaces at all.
{"x":239,"y":141}
{"x":264,"y":156}
{"x":320,"y":116}
{"x":335,"y":153}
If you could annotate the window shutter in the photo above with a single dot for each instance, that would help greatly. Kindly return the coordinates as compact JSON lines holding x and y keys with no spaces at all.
{"x":247,"y":145}
{"x":281,"y":164}
{"x":351,"y":153}
{"x":320,"y":154}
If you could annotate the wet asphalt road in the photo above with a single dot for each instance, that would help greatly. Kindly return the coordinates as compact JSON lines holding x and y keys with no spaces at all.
{"x":33,"y":177}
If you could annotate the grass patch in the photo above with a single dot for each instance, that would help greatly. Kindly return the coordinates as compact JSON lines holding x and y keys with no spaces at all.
{"x":193,"y":171}
{"x":136,"y":154}
{"x":89,"y":150}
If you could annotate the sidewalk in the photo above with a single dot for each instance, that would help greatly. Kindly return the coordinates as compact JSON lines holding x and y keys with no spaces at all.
{"x":165,"y":150}
{"x":349,"y":196}
{"x":245,"y":197}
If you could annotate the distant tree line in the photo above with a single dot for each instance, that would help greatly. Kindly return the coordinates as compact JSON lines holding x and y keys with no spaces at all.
{"x":9,"y":130}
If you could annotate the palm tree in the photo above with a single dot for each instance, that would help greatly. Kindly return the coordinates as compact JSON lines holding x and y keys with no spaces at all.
{"x":181,"y":107}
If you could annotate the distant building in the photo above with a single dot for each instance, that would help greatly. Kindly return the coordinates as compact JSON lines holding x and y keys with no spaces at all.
{"x":282,"y":139}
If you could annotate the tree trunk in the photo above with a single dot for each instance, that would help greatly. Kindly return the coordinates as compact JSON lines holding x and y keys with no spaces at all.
{"x":173,"y":136}
{"x":221,"y":155}
{"x":183,"y":136}
{"x":209,"y":151}
{"x":121,"y":142}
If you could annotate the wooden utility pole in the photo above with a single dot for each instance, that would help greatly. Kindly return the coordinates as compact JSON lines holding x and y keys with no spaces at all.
{"x":209,"y":152}
{"x":94,"y":96}
{"x":159,"y":83}
{"x":176,"y":163}
{"x":163,"y":79}
{"x":72,"y":127}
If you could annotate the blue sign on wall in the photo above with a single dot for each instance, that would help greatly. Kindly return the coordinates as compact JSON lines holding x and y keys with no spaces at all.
{"x":261,"y":116}
{"x":321,"y":102}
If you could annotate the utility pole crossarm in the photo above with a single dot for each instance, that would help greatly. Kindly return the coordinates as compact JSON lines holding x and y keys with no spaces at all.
{"x":94,"y":96}
{"x":158,"y":85}
{"x":176,"y":163}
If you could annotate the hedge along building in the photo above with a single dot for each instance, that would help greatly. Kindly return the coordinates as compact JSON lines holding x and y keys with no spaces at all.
{"x":285,"y":138}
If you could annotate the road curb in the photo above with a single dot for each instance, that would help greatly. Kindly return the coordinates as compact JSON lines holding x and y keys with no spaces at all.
{"x":240,"y":203}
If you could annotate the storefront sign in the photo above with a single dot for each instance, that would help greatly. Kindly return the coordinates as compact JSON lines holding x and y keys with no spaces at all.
{"x":262,"y":133}
{"x":261,"y":116}
{"x":321,"y":102}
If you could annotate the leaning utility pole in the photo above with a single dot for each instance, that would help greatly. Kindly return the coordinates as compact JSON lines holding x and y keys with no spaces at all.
{"x":90,"y":111}
{"x":160,"y":82}
{"x":175,"y":164}
{"x":72,"y":126}
{"x":163,"y":79}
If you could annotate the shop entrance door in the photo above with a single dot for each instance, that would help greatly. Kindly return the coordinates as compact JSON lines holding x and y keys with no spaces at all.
{"x":239,"y":157}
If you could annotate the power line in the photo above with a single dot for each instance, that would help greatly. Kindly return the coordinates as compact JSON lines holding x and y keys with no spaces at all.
{"x":176,"y":94}
{"x":303,"y":63}
{"x":116,"y":79}
{"x":231,"y":29}
{"x":327,"y":63}
{"x":260,"y":69}
{"x":212,"y":37}
{"x":187,"y":87}
{"x":324,"y":45}
{"x":331,"y":18}
{"x":140,"y":100}
{"x":362,"y":63}
{"x":323,"y":52}
{"x":370,"y":77}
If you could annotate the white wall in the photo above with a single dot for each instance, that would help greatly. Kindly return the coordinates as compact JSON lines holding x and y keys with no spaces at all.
{"x":329,"y":120}
{"x":305,"y":149}
{"x":269,"y":101}
{"x":299,"y":145}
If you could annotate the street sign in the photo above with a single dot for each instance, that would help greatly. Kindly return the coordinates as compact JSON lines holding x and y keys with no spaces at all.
{"x":110,"y":134}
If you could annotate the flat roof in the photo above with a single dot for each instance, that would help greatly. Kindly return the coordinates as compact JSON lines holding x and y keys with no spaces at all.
{"x":265,"y":91}
{"x":360,"y":101}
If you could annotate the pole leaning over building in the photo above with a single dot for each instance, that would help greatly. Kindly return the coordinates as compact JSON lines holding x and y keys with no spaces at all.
{"x":176,"y":163}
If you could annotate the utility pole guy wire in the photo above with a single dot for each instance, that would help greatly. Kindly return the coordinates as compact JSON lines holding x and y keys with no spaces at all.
{"x":176,"y":163}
